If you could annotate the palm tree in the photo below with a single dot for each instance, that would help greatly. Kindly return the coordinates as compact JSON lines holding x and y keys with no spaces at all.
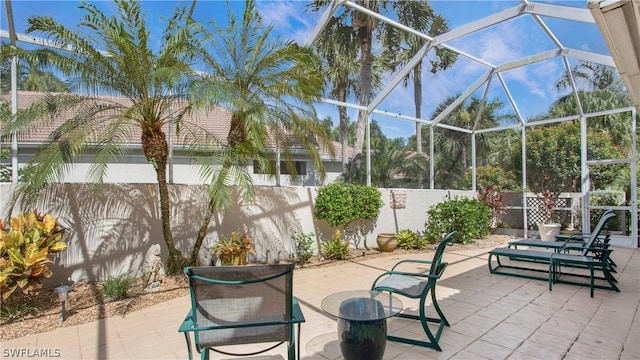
{"x":455,"y":156}
{"x":364,"y":27}
{"x":127,"y":67}
{"x":590,"y":76}
{"x":336,"y":48}
{"x":617,"y":124}
{"x":30,"y":78}
{"x":403,"y":46}
{"x":269,"y":86}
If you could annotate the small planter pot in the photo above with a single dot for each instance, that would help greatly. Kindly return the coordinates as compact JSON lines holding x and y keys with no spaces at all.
{"x":548,"y":232}
{"x":234,"y":260}
{"x":387,"y":242}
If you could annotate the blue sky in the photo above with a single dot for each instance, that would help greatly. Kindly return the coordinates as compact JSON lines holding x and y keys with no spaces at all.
{"x":533,"y":86}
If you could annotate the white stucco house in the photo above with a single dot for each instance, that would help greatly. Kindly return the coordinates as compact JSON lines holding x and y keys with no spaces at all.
{"x":133,"y":167}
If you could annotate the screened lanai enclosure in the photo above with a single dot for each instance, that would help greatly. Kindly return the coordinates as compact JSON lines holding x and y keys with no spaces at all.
{"x":485,"y":84}
{"x":518,"y":96}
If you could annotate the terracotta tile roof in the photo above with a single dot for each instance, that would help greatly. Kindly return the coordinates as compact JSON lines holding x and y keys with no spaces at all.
{"x":216,"y":122}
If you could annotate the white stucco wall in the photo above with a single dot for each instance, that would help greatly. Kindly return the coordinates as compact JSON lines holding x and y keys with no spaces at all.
{"x":109,"y":234}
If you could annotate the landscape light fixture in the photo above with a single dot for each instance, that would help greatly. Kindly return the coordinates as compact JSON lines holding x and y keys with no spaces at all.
{"x":62,"y":291}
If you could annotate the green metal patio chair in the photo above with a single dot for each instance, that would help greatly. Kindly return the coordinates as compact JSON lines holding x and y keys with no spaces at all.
{"x":239,"y":305}
{"x":418,"y":286}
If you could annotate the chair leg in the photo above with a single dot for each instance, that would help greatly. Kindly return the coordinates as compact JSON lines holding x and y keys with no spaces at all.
{"x":204,"y":355}
{"x":443,"y":319}
{"x":591,"y":271}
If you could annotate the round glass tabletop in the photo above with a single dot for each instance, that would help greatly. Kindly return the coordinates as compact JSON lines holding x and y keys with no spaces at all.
{"x":361,"y":305}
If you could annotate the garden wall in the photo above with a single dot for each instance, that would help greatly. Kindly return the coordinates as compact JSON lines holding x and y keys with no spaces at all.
{"x":109,"y":233}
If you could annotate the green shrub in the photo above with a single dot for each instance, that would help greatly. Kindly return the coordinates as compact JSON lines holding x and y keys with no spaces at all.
{"x":304,"y":242}
{"x":117,"y":287}
{"x":408,"y":239}
{"x":25,"y":249}
{"x":340,"y":204}
{"x":335,"y":248}
{"x":469,"y":217}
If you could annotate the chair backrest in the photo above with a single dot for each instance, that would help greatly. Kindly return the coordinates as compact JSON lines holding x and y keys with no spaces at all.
{"x":436,"y":263}
{"x":604,"y":219}
{"x":238,"y":302}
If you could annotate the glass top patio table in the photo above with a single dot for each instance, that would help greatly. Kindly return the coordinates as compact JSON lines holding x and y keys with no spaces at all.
{"x":361,"y":305}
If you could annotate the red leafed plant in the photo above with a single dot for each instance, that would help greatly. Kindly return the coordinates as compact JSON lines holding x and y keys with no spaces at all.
{"x":495,"y":201}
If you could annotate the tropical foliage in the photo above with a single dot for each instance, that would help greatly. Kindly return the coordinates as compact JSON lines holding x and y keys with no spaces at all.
{"x":336,"y":248}
{"x":362,"y":29}
{"x":553,"y":157}
{"x":234,"y":245}
{"x":269,"y":85}
{"x":152,"y":82}
{"x":25,"y":245}
{"x":409,"y":239}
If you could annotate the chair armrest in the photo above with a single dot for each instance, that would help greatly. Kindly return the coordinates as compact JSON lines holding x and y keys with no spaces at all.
{"x":296,"y":312}
{"x":573,"y":246}
{"x":405,"y":273}
{"x":572,"y":238}
{"x":425,"y":262}
{"x":187,"y":324}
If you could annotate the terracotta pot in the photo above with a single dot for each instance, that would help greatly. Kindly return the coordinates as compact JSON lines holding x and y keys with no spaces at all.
{"x":387,"y":242}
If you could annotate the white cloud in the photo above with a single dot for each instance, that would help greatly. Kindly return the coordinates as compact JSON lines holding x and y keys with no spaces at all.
{"x":289,"y":18}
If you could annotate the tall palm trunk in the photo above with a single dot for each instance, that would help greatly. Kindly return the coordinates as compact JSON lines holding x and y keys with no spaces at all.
{"x":211,"y":209}
{"x":156,"y":150}
{"x":364,"y":37}
{"x":417,"y":100}
{"x":344,"y":122}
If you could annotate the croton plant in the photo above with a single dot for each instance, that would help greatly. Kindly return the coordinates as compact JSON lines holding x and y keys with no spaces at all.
{"x":25,"y":246}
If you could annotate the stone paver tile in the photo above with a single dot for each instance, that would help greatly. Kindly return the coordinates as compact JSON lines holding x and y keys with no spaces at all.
{"x":517,"y":355}
{"x":528,"y":318}
{"x":497,"y":311}
{"x":564,"y":330}
{"x":460,"y":308}
{"x":557,"y":342}
{"x":500,"y":338}
{"x":455,"y":340}
{"x":467,"y":355}
{"x":513,"y":330}
{"x":542,"y":309}
{"x":481,"y":322}
{"x":325,"y":345}
{"x":469,"y":329}
{"x":587,"y":351}
{"x":540,"y":351}
{"x":601,"y":337}
{"x":488,"y":350}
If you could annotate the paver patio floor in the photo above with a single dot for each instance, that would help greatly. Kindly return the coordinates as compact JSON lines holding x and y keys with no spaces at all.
{"x":491,"y":316}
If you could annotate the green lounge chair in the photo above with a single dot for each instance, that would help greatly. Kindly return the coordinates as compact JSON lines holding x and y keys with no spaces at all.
{"x":592,"y":256}
{"x":576,"y":242}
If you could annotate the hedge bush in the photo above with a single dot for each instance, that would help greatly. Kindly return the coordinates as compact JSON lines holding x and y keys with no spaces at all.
{"x":469,"y":217}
